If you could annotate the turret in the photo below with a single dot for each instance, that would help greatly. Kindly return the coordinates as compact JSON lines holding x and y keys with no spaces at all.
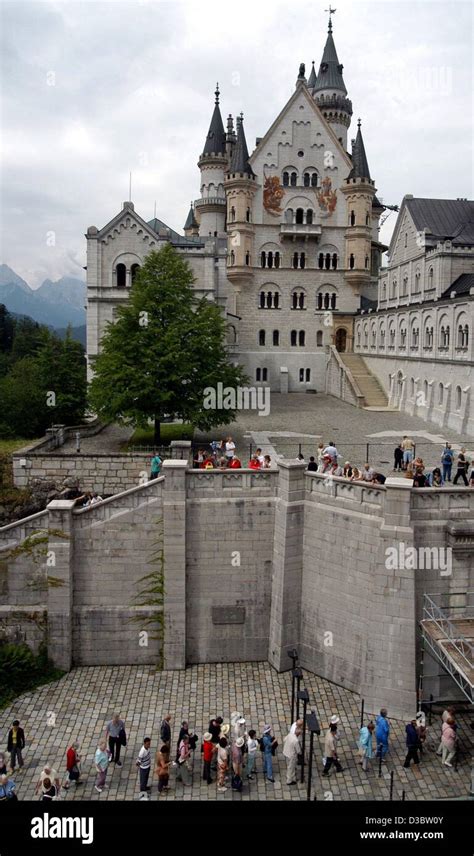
{"x":213,"y":162}
{"x":240,"y":186}
{"x":191,"y":227}
{"x":330,"y":93}
{"x":359,"y":190}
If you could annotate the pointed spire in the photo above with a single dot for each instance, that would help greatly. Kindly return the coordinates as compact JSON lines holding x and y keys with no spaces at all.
{"x":240,"y":155}
{"x":330,"y":70}
{"x":360,"y":166}
{"x":191,"y":222}
{"x":215,"y":140}
{"x":312,"y":77}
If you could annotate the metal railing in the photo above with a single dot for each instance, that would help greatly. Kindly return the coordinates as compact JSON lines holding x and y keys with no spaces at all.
{"x":436,"y":614}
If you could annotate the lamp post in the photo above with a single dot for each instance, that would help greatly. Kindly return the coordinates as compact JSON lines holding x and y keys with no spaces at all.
{"x":313,"y":728}
{"x":297,"y":675}
{"x":303,"y":696}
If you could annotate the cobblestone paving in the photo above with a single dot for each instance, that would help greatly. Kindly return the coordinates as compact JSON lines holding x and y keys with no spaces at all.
{"x":84,"y":700}
{"x":351,"y":428}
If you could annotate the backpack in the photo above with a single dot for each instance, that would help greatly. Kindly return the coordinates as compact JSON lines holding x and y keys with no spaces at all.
{"x":236,"y":783}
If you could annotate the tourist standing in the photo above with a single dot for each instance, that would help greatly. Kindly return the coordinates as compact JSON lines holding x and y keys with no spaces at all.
{"x":165,"y":730}
{"x":448,"y":740}
{"x":222,"y":764}
{"x":16,"y":744}
{"x":330,"y":750}
{"x":162,"y":768}
{"x":182,"y":773}
{"x":229,"y":448}
{"x":447,"y":457}
{"x":237,"y":757}
{"x":101,"y":765}
{"x":49,"y":791}
{"x":398,"y":458}
{"x":462,"y":466}
{"x":73,"y":762}
{"x":182,"y":731}
{"x":115,"y":731}
{"x":291,"y":750}
{"x":382,"y":732}
{"x":252,"y":748}
{"x":48,"y":773}
{"x":156,"y":463}
{"x":413,"y":743}
{"x":269,"y":744}
{"x":367,"y":473}
{"x":143,"y":762}
{"x":366,"y":749}
{"x":208,"y":751}
{"x":331,"y":452}
{"x":407,"y":446}
{"x":448,"y":713}
{"x":312,"y":466}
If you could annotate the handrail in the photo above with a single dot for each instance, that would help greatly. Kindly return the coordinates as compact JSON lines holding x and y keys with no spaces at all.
{"x":435,"y":613}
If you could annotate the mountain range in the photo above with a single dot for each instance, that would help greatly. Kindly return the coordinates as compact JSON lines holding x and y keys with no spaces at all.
{"x":56,"y":304}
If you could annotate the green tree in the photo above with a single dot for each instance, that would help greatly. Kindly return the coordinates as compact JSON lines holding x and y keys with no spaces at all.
{"x":163,"y":350}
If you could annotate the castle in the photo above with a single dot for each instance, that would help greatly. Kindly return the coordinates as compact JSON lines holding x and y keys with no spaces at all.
{"x":286,"y":242}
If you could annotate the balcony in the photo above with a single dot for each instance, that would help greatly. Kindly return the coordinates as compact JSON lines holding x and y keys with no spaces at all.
{"x":300,"y":231}
{"x":219,"y":201}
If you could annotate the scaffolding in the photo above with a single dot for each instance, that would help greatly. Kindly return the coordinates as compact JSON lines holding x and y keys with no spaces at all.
{"x":450,"y":637}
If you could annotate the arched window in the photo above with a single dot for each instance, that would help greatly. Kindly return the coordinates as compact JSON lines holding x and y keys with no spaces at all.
{"x":403,"y":338}
{"x":269,"y":300}
{"x":133,"y":272}
{"x":301,"y":375}
{"x":405,"y":286}
{"x":298,"y":300}
{"x":295,"y":260}
{"x":417,"y":281}
{"x":321,"y":261}
{"x":264,"y":375}
{"x":270,"y":259}
{"x":384,"y":290}
{"x":232,"y":257}
{"x":299,"y":215}
{"x":314,"y":179}
{"x":309,"y":216}
{"x":247,"y":258}
{"x":366,"y":262}
{"x":308,"y":375}
{"x":351,"y":261}
{"x":261,"y":337}
{"x":263,"y":259}
{"x":276,"y":300}
{"x":412,"y":387}
{"x":276,"y":338}
{"x":277,"y":259}
{"x":440,"y":393}
{"x":293,"y":179}
{"x":466,"y":336}
{"x":262,"y":300}
{"x":333,"y":300}
{"x":301,"y":338}
{"x":289,"y":216}
{"x":121,"y":275}
{"x":327,"y":261}
{"x":430,"y":278}
{"x":286,"y":179}
{"x":367,"y":220}
{"x":306,"y":179}
{"x":293,"y":338}
{"x":458,"y":398}
{"x":425,"y":392}
{"x":232,"y":215}
{"x":258,"y":375}
{"x":406,"y":239}
{"x":352,"y":218}
{"x":319,"y":339}
{"x":248,"y":215}
{"x":302,"y":260}
{"x":334,"y":261}
{"x":320,"y":300}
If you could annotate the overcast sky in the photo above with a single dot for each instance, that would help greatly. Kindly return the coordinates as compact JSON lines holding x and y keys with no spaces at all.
{"x":92,"y":90}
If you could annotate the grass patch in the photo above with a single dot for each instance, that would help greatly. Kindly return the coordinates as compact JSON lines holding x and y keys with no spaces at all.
{"x":169,"y":431}
{"x":9,"y":446}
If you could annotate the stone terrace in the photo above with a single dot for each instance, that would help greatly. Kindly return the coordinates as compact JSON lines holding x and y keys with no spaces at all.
{"x":82,"y":702}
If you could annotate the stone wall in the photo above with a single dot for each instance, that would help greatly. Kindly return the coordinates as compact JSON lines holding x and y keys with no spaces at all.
{"x":105,"y":474}
{"x":340,"y":382}
{"x":255,"y":563}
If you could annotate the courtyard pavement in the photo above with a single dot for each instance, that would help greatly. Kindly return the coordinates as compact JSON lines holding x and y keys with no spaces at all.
{"x":80,"y":704}
{"x":301,"y":418}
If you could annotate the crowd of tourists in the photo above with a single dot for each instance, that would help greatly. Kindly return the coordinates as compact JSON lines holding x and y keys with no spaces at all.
{"x":328,"y":461}
{"x":231,"y":753}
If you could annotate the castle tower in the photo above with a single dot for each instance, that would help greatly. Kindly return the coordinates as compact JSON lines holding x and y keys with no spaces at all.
{"x":191,"y":227}
{"x":240,"y":187}
{"x":330,"y":93}
{"x":211,"y":207}
{"x":359,"y":190}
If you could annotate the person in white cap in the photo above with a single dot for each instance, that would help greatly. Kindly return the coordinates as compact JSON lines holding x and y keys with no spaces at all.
{"x":330,"y":747}
{"x":239,"y":728}
{"x":291,"y":750}
{"x":237,"y":756}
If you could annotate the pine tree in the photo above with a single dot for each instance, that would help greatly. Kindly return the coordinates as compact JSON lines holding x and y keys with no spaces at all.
{"x":163,"y":350}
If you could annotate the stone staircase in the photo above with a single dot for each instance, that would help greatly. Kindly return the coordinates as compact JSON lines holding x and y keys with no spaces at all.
{"x":368,"y":384}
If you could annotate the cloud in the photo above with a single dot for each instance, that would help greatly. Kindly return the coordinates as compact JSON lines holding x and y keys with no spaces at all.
{"x":94,"y":90}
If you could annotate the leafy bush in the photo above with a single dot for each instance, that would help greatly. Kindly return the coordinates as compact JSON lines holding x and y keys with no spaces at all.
{"x":21,"y":670}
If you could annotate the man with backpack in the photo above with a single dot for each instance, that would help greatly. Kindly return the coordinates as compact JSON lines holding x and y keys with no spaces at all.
{"x":447,"y":457}
{"x":462,"y":467}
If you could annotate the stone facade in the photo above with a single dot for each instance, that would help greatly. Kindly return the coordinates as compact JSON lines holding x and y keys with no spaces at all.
{"x":254,"y":563}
